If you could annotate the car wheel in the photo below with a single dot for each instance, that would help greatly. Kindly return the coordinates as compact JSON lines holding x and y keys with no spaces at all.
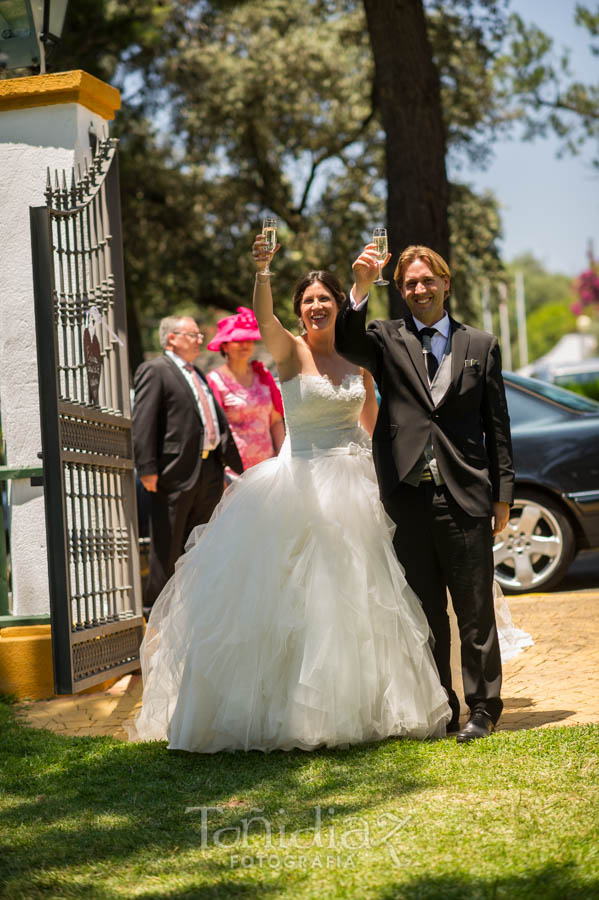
{"x":535,"y":549}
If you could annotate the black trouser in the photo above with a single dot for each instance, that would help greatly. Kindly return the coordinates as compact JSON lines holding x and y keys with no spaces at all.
{"x":172,"y":519}
{"x":440,"y":546}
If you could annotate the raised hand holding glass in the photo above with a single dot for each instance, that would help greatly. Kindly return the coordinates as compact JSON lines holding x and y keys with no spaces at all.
{"x":379,"y":239}
{"x":269,"y":231}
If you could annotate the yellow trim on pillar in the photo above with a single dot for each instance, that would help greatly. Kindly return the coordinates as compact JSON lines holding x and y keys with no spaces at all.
{"x":59,"y":88}
{"x":26,"y":662}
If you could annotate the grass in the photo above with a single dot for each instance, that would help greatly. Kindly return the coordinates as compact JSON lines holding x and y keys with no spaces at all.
{"x":513,"y":816}
{"x":586,"y":388}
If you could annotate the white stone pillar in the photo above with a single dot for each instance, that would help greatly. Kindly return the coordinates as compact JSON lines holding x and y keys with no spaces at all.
{"x":44,"y":122}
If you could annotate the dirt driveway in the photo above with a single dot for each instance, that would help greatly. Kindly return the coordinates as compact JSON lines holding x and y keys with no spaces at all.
{"x":555,"y":682}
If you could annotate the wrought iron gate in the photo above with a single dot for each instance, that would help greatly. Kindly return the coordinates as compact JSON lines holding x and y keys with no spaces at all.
{"x":89,"y":479}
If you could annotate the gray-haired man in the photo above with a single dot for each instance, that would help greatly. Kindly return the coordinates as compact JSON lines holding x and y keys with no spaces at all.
{"x":182,"y":445}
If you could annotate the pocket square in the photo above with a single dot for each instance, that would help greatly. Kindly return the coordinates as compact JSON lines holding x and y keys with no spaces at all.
{"x":471,"y":364}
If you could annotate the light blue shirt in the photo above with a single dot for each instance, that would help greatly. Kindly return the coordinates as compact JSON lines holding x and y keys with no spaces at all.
{"x":439,"y":340}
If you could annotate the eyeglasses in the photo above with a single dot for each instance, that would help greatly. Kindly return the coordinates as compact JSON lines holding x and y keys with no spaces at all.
{"x":196,"y":335}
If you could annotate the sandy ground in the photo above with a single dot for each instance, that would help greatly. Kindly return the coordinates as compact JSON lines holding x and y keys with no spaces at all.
{"x":554,"y":682}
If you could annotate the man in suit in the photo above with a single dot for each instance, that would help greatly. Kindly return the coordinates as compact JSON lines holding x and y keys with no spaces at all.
{"x":442,"y":452}
{"x":182,"y":444}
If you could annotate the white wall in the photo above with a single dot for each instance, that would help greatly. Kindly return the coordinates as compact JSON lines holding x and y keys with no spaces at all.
{"x":30,"y":141}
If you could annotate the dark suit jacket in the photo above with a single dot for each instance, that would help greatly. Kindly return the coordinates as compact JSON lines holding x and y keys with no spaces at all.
{"x":168,"y":432}
{"x":469,"y":427}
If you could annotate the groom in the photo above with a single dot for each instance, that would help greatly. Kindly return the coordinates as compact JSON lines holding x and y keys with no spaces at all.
{"x":442,"y":452}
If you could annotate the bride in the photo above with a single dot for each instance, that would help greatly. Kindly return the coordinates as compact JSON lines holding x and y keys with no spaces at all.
{"x":288,"y":621}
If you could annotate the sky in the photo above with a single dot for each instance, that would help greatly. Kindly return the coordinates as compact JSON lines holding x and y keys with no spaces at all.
{"x":549,"y":206}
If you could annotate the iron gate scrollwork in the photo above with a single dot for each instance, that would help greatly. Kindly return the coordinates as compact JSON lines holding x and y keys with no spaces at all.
{"x":87,"y":449}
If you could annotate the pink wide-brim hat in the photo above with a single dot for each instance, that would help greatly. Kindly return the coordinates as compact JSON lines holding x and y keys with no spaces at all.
{"x":240,"y":327}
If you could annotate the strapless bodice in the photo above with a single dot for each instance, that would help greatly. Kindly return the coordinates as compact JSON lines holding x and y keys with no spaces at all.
{"x":321,"y":416}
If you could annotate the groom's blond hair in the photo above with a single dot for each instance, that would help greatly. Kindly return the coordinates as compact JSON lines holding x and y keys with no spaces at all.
{"x":418,"y":251}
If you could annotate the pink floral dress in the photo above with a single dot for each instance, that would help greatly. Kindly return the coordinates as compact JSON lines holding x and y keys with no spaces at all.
{"x":249,"y":412}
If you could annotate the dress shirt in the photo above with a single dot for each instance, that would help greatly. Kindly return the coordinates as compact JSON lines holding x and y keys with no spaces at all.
{"x":357,"y":306}
{"x":439,"y":340}
{"x":191,"y":382}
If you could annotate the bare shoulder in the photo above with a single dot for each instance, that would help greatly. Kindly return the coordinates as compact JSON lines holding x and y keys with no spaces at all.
{"x":367,"y":378}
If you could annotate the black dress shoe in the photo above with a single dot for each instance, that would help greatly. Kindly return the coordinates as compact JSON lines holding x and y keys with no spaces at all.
{"x":479,"y":725}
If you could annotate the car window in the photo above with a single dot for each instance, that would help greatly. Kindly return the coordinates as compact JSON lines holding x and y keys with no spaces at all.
{"x":552,"y":392}
{"x":525,"y":408}
{"x":576,"y":378}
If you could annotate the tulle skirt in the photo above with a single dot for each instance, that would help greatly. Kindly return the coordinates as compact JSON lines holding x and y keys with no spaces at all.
{"x":289,"y":622}
{"x":512,"y":640}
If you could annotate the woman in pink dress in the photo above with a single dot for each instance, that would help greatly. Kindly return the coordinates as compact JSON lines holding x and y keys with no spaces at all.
{"x":246,"y":390}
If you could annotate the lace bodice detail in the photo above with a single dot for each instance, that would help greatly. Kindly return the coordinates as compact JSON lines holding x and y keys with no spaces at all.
{"x":321,"y":416}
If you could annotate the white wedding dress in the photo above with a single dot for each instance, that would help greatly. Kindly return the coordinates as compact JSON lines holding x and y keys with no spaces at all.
{"x":288,"y":621}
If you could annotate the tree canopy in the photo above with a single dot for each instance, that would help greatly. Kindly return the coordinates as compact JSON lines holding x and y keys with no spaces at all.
{"x":549,"y":298}
{"x":301,"y":108}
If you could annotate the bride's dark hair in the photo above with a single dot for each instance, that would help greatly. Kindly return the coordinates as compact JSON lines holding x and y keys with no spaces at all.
{"x":330,"y":282}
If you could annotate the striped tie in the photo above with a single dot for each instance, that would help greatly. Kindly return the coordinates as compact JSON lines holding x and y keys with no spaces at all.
{"x":209,"y":428}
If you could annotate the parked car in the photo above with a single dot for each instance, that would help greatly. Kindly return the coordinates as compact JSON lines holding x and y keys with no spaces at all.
{"x":576,"y":373}
{"x":565,"y":374}
{"x":555,"y":436}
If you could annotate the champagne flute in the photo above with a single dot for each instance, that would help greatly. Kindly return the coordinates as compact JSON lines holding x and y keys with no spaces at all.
{"x":269,"y":231}
{"x":379,"y":239}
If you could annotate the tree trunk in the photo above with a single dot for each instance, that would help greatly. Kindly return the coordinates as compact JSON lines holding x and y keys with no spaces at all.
{"x":408,"y":97}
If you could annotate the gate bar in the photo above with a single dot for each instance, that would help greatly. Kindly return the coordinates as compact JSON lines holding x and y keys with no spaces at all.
{"x":43,"y":278}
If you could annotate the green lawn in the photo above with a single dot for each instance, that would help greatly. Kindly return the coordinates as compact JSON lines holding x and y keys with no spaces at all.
{"x":513,"y":816}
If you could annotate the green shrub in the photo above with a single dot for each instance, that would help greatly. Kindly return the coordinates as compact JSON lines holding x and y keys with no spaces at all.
{"x":586,"y":388}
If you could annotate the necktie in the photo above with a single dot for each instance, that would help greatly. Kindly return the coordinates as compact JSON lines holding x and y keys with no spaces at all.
{"x":209,"y":428}
{"x":426,"y":335}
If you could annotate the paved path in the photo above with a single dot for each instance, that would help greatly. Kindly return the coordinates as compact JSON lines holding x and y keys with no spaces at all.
{"x":555,"y":682}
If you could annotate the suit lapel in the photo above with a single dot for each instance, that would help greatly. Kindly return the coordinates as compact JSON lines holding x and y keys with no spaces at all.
{"x":459,"y":350}
{"x":183,"y":380}
{"x":408,"y":333}
{"x":459,"y":339}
